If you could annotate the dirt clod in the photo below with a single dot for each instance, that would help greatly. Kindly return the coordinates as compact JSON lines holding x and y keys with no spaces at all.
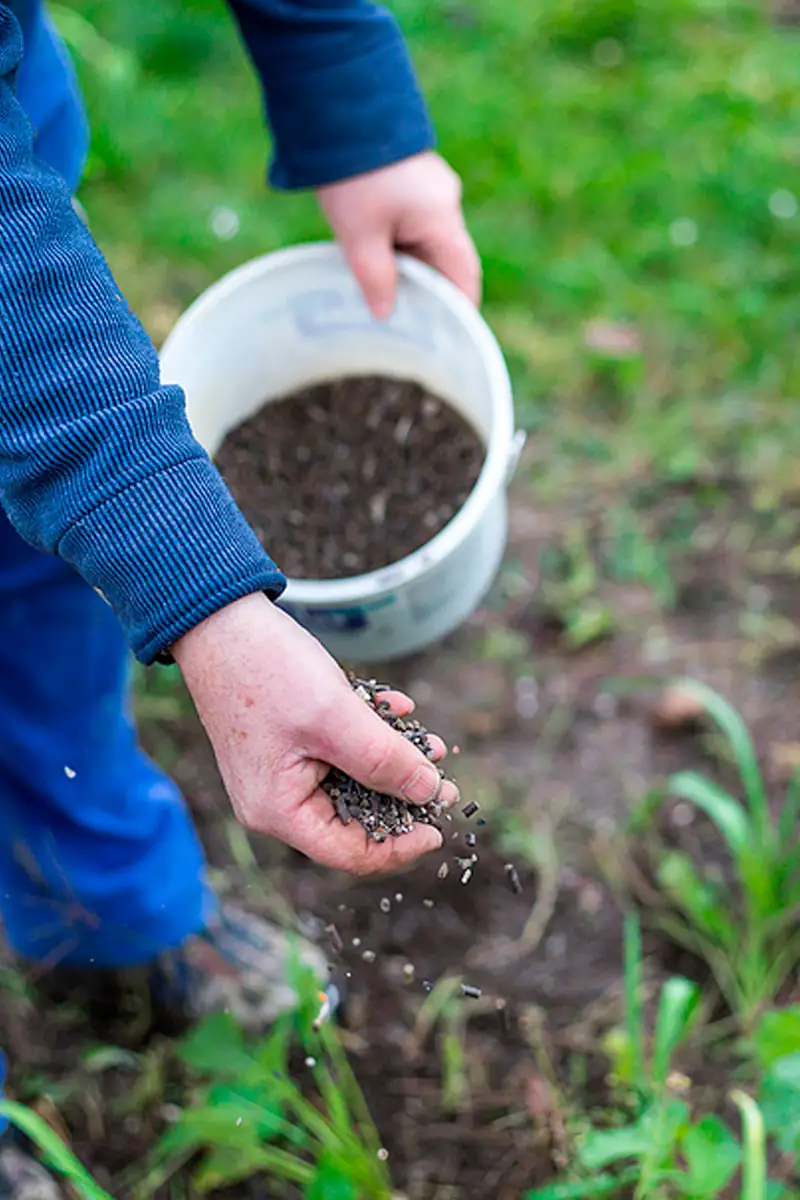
{"x":352,"y":475}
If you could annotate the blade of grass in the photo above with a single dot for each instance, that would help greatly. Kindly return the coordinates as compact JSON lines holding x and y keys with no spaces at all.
{"x":754,"y":1161}
{"x":727,"y":814}
{"x":634,"y":991}
{"x":735,"y":731}
{"x":58,"y":1155}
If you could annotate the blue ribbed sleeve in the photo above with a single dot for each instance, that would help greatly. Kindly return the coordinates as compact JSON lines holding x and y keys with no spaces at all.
{"x":340,"y":90}
{"x":97,"y":461}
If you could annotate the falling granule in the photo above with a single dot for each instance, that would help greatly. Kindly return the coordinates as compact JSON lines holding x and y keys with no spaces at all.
{"x":325,"y":1011}
{"x":513,"y":878}
{"x":310,"y":1062}
{"x":465,"y":878}
{"x":238,"y":1120}
{"x":409,"y":971}
{"x":428,"y":903}
{"x":443,"y":871}
{"x":427,"y":985}
{"x":472,"y":993}
{"x":383,"y":1154}
{"x":481,"y":821}
{"x":398,"y":896}
{"x":356,"y":942}
{"x":70,"y":774}
{"x":386,"y":905}
{"x":369,"y":956}
{"x":471,"y":809}
{"x":471,"y":840}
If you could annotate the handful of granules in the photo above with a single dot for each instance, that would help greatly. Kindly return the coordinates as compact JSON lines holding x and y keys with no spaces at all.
{"x":380,"y":815}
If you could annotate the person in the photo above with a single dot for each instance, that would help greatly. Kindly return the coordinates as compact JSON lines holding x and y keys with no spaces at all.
{"x":117,"y":533}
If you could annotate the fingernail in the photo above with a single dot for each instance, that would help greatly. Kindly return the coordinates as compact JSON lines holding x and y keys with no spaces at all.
{"x":424,"y":785}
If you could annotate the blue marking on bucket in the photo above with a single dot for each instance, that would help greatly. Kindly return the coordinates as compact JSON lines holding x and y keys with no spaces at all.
{"x":350,"y":620}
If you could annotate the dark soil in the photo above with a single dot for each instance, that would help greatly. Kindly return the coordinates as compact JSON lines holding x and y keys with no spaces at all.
{"x":555,"y":762}
{"x":350,"y":476}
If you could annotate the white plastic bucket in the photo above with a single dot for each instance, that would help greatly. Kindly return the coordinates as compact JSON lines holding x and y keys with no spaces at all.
{"x":295,"y":318}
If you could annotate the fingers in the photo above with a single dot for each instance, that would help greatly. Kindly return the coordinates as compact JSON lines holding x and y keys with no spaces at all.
{"x":368,"y":749}
{"x":318,"y":833}
{"x":452,"y":251}
{"x":372,"y":261}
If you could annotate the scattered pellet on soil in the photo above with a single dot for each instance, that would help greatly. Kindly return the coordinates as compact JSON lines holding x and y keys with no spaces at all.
{"x":409,"y":971}
{"x":386,"y":905}
{"x":471,"y":840}
{"x":465,"y":878}
{"x":369,"y":956}
{"x":481,"y":821}
{"x":470,"y":809}
{"x":456,"y":750}
{"x":380,"y":815}
{"x":472,"y":993}
{"x":356,"y":942}
{"x":351,"y":475}
{"x":398,"y":896}
{"x":428,"y":903}
{"x":427,"y":985}
{"x":70,"y":774}
{"x":310,"y":1062}
{"x":383,"y":1154}
{"x":512,"y":875}
{"x":443,"y":871}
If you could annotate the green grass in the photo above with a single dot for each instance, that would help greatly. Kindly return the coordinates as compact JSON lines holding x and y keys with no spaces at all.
{"x":743,"y":925}
{"x":596,"y":139}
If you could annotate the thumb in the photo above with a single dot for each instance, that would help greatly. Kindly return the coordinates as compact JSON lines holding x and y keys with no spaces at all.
{"x":371,"y":259}
{"x":382,"y":759}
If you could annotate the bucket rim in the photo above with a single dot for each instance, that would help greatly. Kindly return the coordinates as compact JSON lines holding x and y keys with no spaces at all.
{"x":500,"y":448}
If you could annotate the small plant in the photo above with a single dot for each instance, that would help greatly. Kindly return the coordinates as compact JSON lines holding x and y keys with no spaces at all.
{"x":444,"y":1007}
{"x":250,"y":1116}
{"x":663,"y":1151}
{"x":745,"y":930}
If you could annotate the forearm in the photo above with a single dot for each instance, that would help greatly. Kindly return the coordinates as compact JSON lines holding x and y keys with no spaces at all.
{"x":97,"y":461}
{"x":340,"y":91}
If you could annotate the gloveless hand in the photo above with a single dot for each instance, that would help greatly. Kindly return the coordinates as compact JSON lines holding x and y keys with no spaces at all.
{"x":413,"y":205}
{"x":279,"y":713}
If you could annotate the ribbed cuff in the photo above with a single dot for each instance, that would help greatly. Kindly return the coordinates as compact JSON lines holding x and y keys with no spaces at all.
{"x":169,"y":551}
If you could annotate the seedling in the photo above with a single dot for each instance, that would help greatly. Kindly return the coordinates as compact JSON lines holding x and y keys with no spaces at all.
{"x":746,"y":930}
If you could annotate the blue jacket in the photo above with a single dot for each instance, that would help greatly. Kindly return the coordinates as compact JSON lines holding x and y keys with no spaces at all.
{"x":97,"y":462}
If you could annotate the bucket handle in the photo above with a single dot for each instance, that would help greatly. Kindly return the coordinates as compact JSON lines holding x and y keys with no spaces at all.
{"x":517,"y":444}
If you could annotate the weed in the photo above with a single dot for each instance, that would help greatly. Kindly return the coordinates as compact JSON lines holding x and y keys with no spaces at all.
{"x":745,"y":930}
{"x":250,"y":1116}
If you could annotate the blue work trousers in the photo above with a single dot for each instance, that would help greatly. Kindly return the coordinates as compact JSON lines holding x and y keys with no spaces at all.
{"x":99,"y":862}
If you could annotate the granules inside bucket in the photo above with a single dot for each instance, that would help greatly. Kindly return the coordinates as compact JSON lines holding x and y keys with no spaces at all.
{"x":350,"y":476}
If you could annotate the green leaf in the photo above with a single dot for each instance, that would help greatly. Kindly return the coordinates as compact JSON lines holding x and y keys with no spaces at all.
{"x":754,"y":1157}
{"x":602,"y":1184}
{"x":712,"y":1155}
{"x":601,"y":1147}
{"x":216,"y":1048}
{"x":777,"y":1035}
{"x":700,"y":900}
{"x":780,"y":1106}
{"x":331,"y":1182}
{"x":733,"y":727}
{"x":787,"y":1071}
{"x":677,"y":1005}
{"x":728,"y":814}
{"x":57,"y":1155}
